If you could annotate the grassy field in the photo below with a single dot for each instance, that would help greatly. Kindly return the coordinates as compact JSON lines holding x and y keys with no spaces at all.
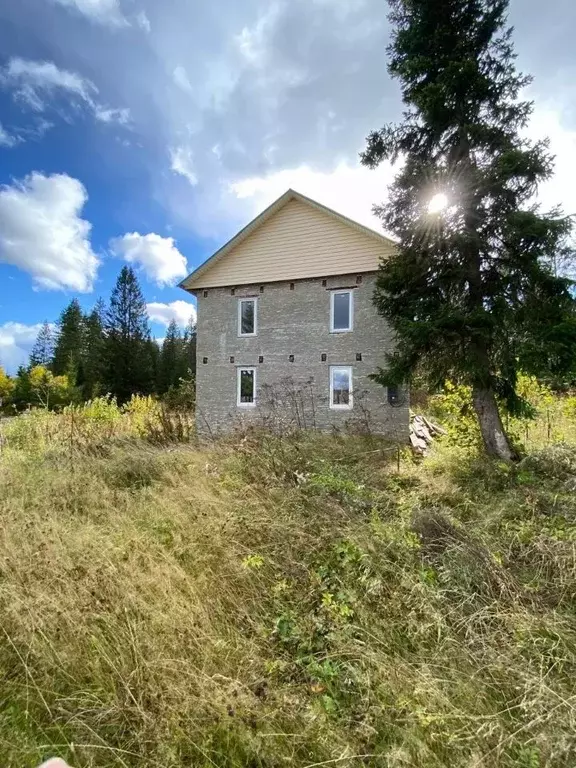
{"x":284,"y":602}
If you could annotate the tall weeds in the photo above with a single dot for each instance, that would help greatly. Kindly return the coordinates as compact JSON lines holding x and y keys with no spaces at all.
{"x":298,"y":602}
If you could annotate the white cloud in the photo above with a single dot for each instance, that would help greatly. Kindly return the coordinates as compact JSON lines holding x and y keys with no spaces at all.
{"x":278,"y":86}
{"x":181,"y":311}
{"x":559,"y":190}
{"x":7,"y":139}
{"x":353,"y":190}
{"x":37,"y":82}
{"x":143,"y":21}
{"x":253,"y":40}
{"x":182,"y":162}
{"x":16,"y":342}
{"x":100,"y":11}
{"x":349,"y":190}
{"x":121,"y":116}
{"x":42,"y":232}
{"x":158,"y":256}
{"x":180,"y":77}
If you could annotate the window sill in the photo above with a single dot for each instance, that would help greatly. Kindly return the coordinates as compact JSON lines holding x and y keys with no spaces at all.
{"x":341,"y":330}
{"x":245,"y":405}
{"x":247,"y":335}
{"x":341,"y":407}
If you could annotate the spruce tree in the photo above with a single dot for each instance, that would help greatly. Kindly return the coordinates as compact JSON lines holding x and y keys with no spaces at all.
{"x":43,"y":350}
{"x":91,"y":370}
{"x":171,"y":356}
{"x":68,"y":347}
{"x":127,"y":345}
{"x":471,"y":294}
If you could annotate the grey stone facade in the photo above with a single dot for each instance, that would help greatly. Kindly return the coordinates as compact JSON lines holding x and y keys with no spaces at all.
{"x":293,"y":321}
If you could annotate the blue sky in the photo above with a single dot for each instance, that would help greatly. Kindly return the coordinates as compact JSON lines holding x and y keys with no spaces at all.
{"x":148,"y":131}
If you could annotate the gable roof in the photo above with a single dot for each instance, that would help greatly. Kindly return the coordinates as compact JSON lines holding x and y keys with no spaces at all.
{"x":194,"y":280}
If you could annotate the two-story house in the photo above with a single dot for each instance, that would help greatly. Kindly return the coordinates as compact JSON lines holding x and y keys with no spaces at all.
{"x":287,"y":329}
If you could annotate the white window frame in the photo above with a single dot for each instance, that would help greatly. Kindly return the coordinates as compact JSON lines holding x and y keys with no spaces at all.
{"x":254,"y":299}
{"x":350,"y":311}
{"x":239,"y":370}
{"x":350,"y":371}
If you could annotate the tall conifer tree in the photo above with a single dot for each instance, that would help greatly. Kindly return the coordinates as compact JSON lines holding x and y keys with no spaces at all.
{"x":128,"y":353}
{"x":171,"y":356}
{"x":43,"y":350}
{"x":68,"y":347}
{"x":91,"y":373}
{"x":471,"y":294}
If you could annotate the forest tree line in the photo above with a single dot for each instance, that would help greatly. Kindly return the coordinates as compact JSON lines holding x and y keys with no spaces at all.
{"x":108,"y":351}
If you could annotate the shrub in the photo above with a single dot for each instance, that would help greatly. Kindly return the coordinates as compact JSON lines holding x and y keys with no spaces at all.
{"x":453,"y":408}
{"x":182,"y":397}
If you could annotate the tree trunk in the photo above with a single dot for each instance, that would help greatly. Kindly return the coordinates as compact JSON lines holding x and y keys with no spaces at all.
{"x":495,"y":439}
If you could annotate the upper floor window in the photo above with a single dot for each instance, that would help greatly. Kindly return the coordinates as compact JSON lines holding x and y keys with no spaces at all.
{"x":341,"y":311}
{"x":247,"y":317}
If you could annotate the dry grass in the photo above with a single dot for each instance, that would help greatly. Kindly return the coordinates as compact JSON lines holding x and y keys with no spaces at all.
{"x":286,"y":602}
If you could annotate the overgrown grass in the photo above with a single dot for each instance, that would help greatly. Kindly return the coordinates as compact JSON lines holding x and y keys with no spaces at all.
{"x":297,"y":602}
{"x":95,"y":424}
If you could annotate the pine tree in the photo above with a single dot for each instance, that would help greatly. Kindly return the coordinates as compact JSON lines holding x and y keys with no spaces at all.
{"x":68,"y":347}
{"x":91,"y":371}
{"x":43,"y":350}
{"x":171,"y":356}
{"x":127,"y":345}
{"x":471,"y":293}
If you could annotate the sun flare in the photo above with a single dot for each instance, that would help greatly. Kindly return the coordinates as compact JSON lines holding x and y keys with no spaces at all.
{"x":438,"y":203}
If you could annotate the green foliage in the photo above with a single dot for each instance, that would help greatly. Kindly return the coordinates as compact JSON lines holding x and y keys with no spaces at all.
{"x":182,"y":397}
{"x":141,"y":410}
{"x":254,"y":562}
{"x":453,"y":408}
{"x":48,"y":390}
{"x":6,"y":389}
{"x":472,"y":294}
{"x":550,"y":415}
{"x":100,"y":410}
{"x":21,"y":393}
{"x":79,"y":427}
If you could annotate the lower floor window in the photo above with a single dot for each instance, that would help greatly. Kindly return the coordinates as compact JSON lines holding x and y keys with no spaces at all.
{"x":246,"y":392}
{"x":341,"y":386}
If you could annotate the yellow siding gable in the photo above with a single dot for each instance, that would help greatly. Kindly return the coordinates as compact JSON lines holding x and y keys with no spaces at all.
{"x":298,"y":241}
